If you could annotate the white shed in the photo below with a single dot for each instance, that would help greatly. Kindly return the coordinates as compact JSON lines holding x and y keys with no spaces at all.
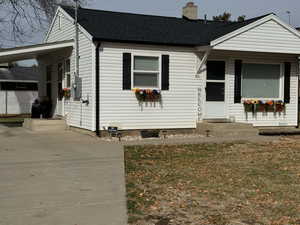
{"x":18,"y":89}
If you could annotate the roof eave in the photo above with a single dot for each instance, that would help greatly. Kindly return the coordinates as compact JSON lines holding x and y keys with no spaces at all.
{"x":144,"y":42}
{"x":252,"y":25}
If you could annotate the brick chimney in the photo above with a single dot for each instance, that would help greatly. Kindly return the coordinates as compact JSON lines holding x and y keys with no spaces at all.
{"x":190,"y":11}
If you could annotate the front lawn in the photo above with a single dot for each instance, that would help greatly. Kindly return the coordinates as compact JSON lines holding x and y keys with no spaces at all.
{"x":235,"y":183}
{"x":11,"y":120}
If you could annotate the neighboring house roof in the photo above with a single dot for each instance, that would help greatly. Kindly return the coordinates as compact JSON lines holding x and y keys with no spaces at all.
{"x":19,"y":74}
{"x":137,"y":28}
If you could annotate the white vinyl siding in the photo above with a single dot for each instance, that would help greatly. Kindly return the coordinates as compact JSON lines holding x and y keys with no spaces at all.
{"x":77,"y":114}
{"x":268,"y":37}
{"x":236,"y":111}
{"x":118,"y":107}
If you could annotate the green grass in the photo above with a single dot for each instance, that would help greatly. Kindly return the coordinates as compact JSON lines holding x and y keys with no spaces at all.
{"x":11,"y":120}
{"x":214,"y":183}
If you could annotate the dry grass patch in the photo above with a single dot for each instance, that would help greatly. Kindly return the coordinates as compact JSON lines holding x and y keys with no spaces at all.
{"x":233,"y":183}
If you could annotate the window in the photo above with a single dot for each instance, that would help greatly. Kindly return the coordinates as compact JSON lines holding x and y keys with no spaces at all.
{"x":215,"y":81}
{"x":146,"y":72}
{"x":215,"y":70}
{"x":68,"y":73}
{"x":261,"y":81}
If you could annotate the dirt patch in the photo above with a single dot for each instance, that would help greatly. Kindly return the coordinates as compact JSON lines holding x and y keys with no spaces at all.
{"x":232,"y":183}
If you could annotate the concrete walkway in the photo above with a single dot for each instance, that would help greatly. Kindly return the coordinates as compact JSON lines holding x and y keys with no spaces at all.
{"x":60,"y":179}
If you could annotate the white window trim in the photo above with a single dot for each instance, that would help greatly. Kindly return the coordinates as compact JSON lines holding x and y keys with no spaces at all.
{"x":281,"y":82}
{"x":146,"y":71}
{"x":215,"y":81}
{"x":66,"y":74}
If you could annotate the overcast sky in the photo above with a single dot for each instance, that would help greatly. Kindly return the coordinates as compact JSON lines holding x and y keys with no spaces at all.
{"x":250,"y":8}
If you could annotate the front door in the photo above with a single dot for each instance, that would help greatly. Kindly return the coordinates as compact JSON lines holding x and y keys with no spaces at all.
{"x":215,"y":90}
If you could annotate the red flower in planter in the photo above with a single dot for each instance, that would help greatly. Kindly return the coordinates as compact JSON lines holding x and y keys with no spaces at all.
{"x":67,"y":92}
{"x":147,"y":94}
{"x":279,"y":106}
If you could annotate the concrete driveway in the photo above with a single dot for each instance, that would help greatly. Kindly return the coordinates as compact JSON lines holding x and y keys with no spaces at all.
{"x":60,"y":179}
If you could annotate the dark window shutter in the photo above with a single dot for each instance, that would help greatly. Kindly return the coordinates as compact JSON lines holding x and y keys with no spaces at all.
{"x":238,"y":81}
{"x":165,"y":72}
{"x":287,"y":81}
{"x":126,"y":71}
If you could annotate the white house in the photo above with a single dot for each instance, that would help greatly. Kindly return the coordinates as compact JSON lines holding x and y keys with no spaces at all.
{"x":18,"y":89}
{"x":204,"y":70}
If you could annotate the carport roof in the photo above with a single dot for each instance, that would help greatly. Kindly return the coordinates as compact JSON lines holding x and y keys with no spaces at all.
{"x":32,"y":51}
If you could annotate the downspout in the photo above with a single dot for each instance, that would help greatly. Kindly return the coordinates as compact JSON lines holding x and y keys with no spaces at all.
{"x":97,"y":98}
{"x":298,"y":118}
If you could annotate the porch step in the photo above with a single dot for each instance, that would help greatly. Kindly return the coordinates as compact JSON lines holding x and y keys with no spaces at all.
{"x":43,"y":125}
{"x":279,"y":131}
{"x":216,"y":121}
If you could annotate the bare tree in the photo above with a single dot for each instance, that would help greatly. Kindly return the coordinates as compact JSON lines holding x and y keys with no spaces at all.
{"x":223,"y":17}
{"x":21,"y":18}
{"x":241,"y":18}
{"x":226,"y":17}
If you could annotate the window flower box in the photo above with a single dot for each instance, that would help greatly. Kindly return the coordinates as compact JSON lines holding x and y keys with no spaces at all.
{"x":269,"y":106}
{"x":254,"y":105}
{"x":149,"y":95}
{"x":279,"y":106}
{"x":248,"y":106}
{"x":261,"y":107}
{"x":67,"y":92}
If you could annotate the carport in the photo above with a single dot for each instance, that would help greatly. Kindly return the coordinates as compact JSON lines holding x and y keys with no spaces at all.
{"x":48,"y":56}
{"x":33,"y":51}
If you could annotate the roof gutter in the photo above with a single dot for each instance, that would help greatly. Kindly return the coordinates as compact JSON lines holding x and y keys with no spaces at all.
{"x":144,"y":42}
{"x":97,"y":97}
{"x":204,"y":48}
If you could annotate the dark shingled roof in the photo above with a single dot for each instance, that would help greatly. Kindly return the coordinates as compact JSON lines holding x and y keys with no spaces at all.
{"x":19,"y":74}
{"x":137,"y":28}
